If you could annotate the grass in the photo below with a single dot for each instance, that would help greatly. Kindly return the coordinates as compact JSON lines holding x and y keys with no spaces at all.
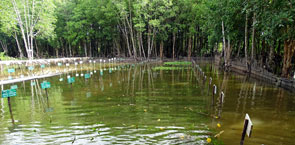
{"x":178,"y":63}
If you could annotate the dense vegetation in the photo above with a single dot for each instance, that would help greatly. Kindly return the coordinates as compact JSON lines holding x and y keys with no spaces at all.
{"x":260,"y":31}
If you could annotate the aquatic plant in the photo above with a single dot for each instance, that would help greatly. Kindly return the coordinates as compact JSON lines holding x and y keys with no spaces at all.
{"x":178,"y":63}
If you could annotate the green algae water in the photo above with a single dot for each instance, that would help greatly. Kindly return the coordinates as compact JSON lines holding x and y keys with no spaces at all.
{"x":138,"y":104}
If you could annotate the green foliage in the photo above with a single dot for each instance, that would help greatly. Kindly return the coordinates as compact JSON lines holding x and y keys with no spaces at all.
{"x":178,"y":63}
{"x":5,"y":57}
{"x":167,"y":68}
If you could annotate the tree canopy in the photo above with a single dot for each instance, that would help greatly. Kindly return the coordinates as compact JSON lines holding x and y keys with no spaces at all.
{"x":259,"y":31}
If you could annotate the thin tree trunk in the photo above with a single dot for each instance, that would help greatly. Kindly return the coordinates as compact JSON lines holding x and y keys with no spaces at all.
{"x":21,"y":54}
{"x":253,"y":42}
{"x":246,"y":41}
{"x":161,"y":50}
{"x":37,"y":49}
{"x":141,"y":43}
{"x":224,"y":44}
{"x":85,"y":48}
{"x":173,"y":46}
{"x":189,"y":48}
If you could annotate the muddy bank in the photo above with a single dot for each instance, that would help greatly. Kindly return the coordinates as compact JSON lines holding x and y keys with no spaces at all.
{"x":259,"y":73}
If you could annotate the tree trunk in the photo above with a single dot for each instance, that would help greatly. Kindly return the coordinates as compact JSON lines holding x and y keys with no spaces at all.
{"x":21,"y":54}
{"x":4,"y":46}
{"x":253,"y":42}
{"x":246,"y":41}
{"x":173,"y":46}
{"x":141,"y":44}
{"x":161,"y":50}
{"x":70,"y":49}
{"x":224,"y":44}
{"x":289,"y":48}
{"x":85,"y":48}
{"x":90,"y":47}
{"x":189,"y":48}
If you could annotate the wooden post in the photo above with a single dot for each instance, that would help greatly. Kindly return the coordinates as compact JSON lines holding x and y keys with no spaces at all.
{"x":213,"y":93}
{"x":10,"y":110}
{"x":46,"y":93}
{"x":244,"y":132}
{"x":221,"y":98}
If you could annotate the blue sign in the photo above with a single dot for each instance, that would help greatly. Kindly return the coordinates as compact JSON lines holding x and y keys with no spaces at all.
{"x":101,"y":72}
{"x":87,"y":76}
{"x":43,"y":66}
{"x":31,"y":68}
{"x":8,"y":93}
{"x":33,"y":83}
{"x":71,"y":80}
{"x":45,"y":85}
{"x":11,"y":70}
{"x":13,"y":87}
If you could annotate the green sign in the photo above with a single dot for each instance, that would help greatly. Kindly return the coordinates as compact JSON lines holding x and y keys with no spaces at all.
{"x":43,"y":66}
{"x":71,"y":80}
{"x":101,"y":72}
{"x":13,"y":87}
{"x":59,"y":64}
{"x":87,"y":76}
{"x":110,"y":70}
{"x":8,"y":93}
{"x":31,"y":68}
{"x":11,"y":70}
{"x":33,"y":83}
{"x":45,"y":85}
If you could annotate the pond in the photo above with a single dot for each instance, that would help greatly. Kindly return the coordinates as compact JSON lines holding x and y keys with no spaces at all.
{"x":147,"y":103}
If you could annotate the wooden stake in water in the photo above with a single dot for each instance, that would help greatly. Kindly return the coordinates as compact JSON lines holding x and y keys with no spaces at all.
{"x":214,"y":91}
{"x":248,"y":126}
{"x":221,"y":98}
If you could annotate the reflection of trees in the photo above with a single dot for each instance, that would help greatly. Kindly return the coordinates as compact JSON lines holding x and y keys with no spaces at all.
{"x":279,"y":103}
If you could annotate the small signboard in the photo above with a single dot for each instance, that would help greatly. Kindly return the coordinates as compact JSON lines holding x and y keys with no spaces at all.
{"x":67,"y":64}
{"x":71,"y":80}
{"x":76,"y":63}
{"x":59,"y":64}
{"x":87,"y":76}
{"x":110,"y":70}
{"x":33,"y":83}
{"x":8,"y":93}
{"x":31,"y":68}
{"x":13,"y":87}
{"x":11,"y":70}
{"x":61,"y":79}
{"x":101,"y":72}
{"x":45,"y":85}
{"x":249,"y":126}
{"x":43,"y":66}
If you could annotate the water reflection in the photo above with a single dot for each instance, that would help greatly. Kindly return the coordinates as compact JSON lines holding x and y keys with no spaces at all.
{"x":136,"y":104}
